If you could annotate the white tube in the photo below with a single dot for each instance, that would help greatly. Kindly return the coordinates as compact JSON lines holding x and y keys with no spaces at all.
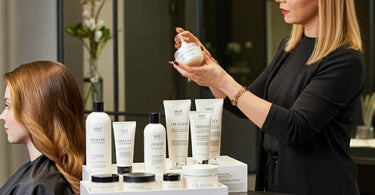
{"x":200,"y":123}
{"x":216,"y":107}
{"x":124,"y":133}
{"x":177,"y":122}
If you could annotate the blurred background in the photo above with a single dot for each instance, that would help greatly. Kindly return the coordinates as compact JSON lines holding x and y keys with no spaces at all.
{"x":133,"y":66}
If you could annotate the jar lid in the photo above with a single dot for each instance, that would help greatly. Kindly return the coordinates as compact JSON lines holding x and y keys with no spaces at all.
{"x":171,"y":177}
{"x":104,"y":178}
{"x":199,"y":170}
{"x":139,"y":177}
{"x":123,"y":170}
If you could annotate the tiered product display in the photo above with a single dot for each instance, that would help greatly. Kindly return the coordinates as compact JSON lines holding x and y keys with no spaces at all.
{"x":206,"y":172}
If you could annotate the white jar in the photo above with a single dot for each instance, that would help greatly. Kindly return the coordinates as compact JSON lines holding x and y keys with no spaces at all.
{"x":138,"y":181}
{"x":172,"y":181}
{"x":200,"y":176}
{"x":105,"y":183}
{"x":189,"y":54}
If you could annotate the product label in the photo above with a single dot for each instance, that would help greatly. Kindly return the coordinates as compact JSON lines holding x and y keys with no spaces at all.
{"x":200,"y":133}
{"x":177,"y":121}
{"x":124,"y":139}
{"x":215,"y":106}
{"x":125,"y":152}
{"x":98,"y":146}
{"x":191,"y":182}
{"x":155,"y":151}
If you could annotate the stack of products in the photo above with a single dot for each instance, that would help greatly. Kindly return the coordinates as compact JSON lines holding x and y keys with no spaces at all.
{"x":157,"y":173}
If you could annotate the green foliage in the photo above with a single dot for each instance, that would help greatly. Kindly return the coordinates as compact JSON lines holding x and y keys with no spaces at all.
{"x":91,"y":31}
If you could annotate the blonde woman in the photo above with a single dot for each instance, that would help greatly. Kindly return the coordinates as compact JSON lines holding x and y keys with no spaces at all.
{"x":304,"y":100}
{"x":44,"y":111}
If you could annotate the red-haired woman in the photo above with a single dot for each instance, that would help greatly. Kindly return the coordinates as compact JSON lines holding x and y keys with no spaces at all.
{"x":44,"y":111}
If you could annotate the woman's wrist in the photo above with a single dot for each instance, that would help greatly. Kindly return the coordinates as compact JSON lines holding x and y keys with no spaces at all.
{"x":229,"y":86}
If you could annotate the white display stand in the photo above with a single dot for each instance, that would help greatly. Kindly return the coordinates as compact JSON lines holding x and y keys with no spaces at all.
{"x":221,"y":190}
{"x":232,"y":174}
{"x":368,"y":143}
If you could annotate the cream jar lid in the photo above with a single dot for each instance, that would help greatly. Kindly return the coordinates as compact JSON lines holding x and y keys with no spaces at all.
{"x":139,"y":177}
{"x":199,"y":170}
{"x":104,"y":178}
{"x":171,"y":177}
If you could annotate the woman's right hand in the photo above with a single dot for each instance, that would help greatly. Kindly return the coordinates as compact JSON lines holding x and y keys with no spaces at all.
{"x":210,"y":74}
{"x":188,"y":35}
{"x":189,"y":38}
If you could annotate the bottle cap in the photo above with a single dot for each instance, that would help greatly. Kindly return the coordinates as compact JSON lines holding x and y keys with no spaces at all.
{"x":202,"y":162}
{"x":139,"y":177}
{"x":97,"y":106}
{"x":171,"y":177}
{"x":104,"y":178}
{"x":154,"y":117}
{"x":123,"y":170}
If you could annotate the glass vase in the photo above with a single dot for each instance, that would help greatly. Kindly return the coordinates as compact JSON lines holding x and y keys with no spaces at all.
{"x":93,"y":84}
{"x":364,"y":132}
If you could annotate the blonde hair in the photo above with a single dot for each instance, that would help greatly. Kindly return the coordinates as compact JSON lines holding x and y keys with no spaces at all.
{"x":48,"y":103}
{"x":338,"y":26}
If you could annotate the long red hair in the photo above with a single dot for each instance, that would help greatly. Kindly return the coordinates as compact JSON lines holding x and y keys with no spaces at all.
{"x":47,"y":101}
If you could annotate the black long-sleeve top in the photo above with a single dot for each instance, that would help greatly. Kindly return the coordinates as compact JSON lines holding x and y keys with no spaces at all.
{"x":39,"y":176}
{"x":310,"y":119}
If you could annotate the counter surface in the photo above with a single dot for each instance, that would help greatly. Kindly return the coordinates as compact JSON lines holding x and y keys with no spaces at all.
{"x":258,"y":193}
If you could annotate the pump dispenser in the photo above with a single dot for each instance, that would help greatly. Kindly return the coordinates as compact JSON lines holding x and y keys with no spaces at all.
{"x":189,"y":53}
{"x":98,"y":140}
{"x":154,"y":145}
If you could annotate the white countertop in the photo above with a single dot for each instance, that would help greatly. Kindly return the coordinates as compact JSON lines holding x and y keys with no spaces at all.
{"x":370,"y":143}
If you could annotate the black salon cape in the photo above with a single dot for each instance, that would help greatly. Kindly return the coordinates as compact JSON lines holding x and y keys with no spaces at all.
{"x":311,"y":117}
{"x":37,"y":177}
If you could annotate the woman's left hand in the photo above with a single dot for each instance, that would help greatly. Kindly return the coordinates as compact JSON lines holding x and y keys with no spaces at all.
{"x":209,"y":74}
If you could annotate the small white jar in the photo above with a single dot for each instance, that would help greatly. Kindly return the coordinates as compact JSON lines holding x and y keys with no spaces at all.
{"x":171,"y":181}
{"x":105,"y":183}
{"x":138,"y":181}
{"x":200,"y":176}
{"x":189,"y":54}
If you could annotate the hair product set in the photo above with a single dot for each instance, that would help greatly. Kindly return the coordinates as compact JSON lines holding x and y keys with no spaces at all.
{"x":205,"y":126}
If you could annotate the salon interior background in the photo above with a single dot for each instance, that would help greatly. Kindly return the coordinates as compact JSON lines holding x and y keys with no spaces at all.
{"x":32,"y":30}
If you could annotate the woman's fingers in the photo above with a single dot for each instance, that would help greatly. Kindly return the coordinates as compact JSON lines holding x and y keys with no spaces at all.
{"x":179,"y":30}
{"x":182,"y":71}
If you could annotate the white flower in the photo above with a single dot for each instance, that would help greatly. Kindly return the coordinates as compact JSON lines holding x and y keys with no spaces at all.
{"x":86,"y":14}
{"x":100,"y":24}
{"x":98,"y":35}
{"x":90,"y":23}
{"x":97,"y":3}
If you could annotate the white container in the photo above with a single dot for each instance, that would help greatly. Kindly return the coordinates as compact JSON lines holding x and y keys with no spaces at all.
{"x":216,"y":107}
{"x":154,"y":146}
{"x":220,"y":190}
{"x":98,"y":140}
{"x":200,"y":176}
{"x":138,"y":181}
{"x":124,"y":133}
{"x":231,"y":172}
{"x":189,"y":54}
{"x":200,"y":125}
{"x":172,"y":181}
{"x":105,"y":183}
{"x":177,"y":122}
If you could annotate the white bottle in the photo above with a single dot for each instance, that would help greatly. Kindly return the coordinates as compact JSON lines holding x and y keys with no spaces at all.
{"x":154,"y":146}
{"x":98,"y":140}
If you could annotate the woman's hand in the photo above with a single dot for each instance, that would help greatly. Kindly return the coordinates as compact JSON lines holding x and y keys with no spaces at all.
{"x":190,"y":38}
{"x":209,"y":74}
